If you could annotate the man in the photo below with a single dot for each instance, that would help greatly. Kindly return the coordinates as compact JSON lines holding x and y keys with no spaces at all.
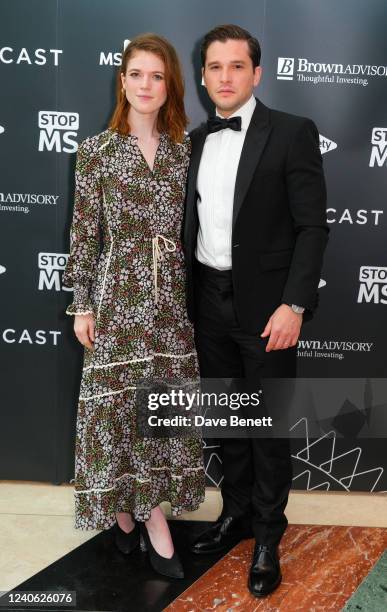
{"x":254,"y":235}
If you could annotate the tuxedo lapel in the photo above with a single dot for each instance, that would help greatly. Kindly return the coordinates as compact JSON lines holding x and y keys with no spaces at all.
{"x":253,"y":146}
{"x":198,"y":138}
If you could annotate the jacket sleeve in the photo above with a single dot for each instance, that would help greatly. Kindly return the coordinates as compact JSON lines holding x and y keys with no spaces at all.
{"x":307,"y":200}
{"x":85,"y":229}
{"x":188,"y":150}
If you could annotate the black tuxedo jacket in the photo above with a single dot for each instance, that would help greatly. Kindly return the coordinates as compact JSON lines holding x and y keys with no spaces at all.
{"x":279,"y":231}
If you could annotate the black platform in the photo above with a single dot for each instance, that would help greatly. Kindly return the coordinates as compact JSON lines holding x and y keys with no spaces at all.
{"x":105,"y":580}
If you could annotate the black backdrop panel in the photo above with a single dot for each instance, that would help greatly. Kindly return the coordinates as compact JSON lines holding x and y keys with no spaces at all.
{"x":58,"y":62}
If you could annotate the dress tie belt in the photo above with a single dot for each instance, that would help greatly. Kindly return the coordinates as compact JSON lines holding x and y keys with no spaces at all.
{"x":158,"y":255}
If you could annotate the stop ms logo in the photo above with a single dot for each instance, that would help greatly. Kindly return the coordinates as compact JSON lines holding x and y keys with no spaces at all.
{"x":58,"y":131}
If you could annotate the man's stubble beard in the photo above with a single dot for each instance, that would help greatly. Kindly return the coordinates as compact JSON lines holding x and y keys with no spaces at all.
{"x":232,"y":107}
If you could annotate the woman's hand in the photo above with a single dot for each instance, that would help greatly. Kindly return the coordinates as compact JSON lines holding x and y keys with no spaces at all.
{"x":84,"y":326}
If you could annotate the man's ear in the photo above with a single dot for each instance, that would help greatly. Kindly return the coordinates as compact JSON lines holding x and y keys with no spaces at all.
{"x":257,"y":75}
{"x":203,"y":81}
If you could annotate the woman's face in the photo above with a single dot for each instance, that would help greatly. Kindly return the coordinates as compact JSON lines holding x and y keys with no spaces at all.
{"x":144,"y":82}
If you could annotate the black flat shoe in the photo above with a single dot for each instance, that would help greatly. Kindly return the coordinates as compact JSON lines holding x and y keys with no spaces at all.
{"x":162,"y":565}
{"x":265,"y":573}
{"x":126,"y":542}
{"x":225,"y":533}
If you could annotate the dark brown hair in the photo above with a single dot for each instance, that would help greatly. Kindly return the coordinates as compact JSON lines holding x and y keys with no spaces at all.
{"x":226,"y":32}
{"x":171,"y":118}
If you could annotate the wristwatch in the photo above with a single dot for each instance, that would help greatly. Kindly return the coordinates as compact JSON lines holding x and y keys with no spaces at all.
{"x":297,"y":309}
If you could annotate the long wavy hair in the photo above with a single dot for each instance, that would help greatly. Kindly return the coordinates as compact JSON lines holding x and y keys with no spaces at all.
{"x":171,"y":118}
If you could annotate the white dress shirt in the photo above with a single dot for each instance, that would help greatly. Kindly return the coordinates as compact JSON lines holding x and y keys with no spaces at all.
{"x":216,"y":186}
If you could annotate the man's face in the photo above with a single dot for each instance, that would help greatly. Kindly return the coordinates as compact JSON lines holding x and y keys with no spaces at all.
{"x":229,"y":75}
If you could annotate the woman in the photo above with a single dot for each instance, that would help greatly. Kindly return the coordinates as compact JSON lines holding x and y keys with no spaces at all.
{"x":126,"y":266}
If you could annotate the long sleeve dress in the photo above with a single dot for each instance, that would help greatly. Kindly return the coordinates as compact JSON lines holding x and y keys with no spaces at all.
{"x":126,"y":266}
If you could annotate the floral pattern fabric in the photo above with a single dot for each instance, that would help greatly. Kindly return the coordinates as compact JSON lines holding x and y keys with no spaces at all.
{"x":126,"y":266}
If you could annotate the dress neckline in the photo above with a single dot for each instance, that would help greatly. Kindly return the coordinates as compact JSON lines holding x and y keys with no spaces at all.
{"x":159,"y":149}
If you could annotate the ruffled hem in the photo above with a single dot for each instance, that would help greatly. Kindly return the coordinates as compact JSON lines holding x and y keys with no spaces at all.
{"x":96,"y":509}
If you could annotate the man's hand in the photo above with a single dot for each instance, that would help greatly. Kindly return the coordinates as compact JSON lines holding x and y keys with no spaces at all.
{"x":84,"y":327}
{"x":283,"y":327}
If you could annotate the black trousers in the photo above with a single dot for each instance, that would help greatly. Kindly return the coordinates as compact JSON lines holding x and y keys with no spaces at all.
{"x":257,"y":472}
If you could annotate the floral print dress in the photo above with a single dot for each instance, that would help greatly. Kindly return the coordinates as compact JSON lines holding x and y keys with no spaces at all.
{"x":126,"y":266}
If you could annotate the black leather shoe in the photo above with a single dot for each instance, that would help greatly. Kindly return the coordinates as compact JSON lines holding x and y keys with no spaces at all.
{"x":226,"y":532}
{"x":162,"y":565}
{"x":126,"y":542}
{"x":265,"y":572}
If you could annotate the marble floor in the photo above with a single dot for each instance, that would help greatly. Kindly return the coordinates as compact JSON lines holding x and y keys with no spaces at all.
{"x":332,"y":542}
{"x":321,"y":568}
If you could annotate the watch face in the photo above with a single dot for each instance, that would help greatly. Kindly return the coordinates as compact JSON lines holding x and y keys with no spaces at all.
{"x":297,"y":309}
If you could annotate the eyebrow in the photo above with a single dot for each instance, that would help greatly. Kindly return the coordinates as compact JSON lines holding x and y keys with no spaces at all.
{"x":152,"y":71}
{"x":232,"y":62}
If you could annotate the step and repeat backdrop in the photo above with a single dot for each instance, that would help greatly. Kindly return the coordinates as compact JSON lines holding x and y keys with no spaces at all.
{"x":58,"y":61}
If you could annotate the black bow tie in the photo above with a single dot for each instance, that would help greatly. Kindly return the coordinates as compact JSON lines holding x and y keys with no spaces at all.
{"x":218,"y":123}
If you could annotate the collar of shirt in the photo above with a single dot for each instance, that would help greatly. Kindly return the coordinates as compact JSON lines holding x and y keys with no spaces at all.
{"x":245,"y":112}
